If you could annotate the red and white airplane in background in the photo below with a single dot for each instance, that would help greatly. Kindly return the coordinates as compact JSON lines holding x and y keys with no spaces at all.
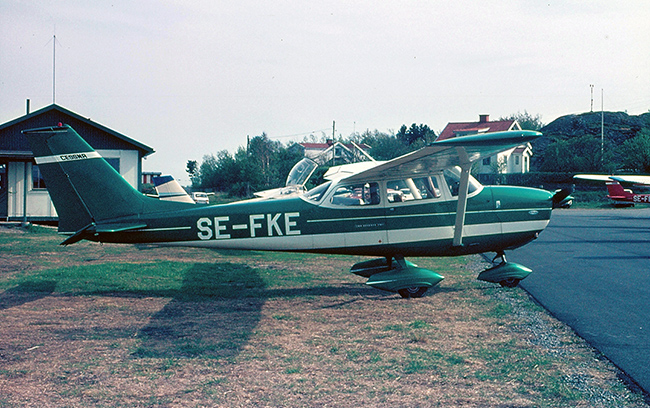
{"x":615,"y":188}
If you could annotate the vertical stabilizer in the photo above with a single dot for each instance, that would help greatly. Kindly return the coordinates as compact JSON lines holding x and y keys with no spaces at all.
{"x":617,"y":192}
{"x":85,"y":189}
{"x":169,"y":189}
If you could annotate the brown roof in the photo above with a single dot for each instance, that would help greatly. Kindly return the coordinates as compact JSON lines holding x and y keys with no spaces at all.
{"x":98,"y":136}
{"x":484,"y":125}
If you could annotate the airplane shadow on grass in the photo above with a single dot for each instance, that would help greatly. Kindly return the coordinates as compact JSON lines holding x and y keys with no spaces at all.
{"x":26,"y":292}
{"x":216,"y":311}
{"x":212,"y":315}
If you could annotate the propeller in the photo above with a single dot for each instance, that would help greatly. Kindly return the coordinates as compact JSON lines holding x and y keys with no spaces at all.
{"x":560,"y":198}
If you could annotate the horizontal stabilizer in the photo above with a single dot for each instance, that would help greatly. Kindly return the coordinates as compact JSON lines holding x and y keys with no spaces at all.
{"x":93,"y":229}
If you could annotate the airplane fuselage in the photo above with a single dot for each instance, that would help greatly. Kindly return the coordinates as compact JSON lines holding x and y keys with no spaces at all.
{"x":497,"y":218}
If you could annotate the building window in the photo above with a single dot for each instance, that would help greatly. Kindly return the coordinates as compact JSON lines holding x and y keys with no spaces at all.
{"x":517,"y":160}
{"x":486,"y":161}
{"x":115,"y":163}
{"x":37,"y":178}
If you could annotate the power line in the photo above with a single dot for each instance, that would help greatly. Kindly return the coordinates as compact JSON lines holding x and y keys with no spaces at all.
{"x":298,"y":134}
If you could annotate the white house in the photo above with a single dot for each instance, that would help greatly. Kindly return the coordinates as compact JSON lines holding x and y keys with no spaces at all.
{"x":515,"y":160}
{"x":23,"y":195}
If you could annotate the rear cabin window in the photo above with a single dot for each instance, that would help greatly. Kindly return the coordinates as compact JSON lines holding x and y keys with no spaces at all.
{"x":423,"y":188}
{"x":356,"y":194}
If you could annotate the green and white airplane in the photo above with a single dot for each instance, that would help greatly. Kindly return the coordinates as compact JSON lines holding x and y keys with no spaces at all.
{"x":424,"y":203}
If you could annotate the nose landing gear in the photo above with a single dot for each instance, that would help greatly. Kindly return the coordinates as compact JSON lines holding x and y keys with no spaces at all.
{"x":507,"y":274}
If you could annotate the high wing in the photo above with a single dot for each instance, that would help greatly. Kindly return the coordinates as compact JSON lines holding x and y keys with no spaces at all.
{"x":459,"y":151}
{"x":628,"y":179}
{"x":347,"y":170}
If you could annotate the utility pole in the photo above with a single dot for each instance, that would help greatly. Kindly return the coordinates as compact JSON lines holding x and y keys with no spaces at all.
{"x":54,"y":69}
{"x":592,"y":97}
{"x":333,"y":141}
{"x":602,"y":124}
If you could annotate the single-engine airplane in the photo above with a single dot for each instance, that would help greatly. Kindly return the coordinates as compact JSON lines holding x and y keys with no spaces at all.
{"x":617,"y":193}
{"x":169,"y":189}
{"x":424,"y":203}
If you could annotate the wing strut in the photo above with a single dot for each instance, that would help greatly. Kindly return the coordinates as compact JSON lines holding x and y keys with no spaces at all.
{"x":465,"y":166}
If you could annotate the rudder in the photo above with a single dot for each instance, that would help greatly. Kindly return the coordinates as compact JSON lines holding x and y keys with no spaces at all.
{"x":84,"y":188}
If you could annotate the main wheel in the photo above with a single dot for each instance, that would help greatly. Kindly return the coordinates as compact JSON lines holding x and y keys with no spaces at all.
{"x":413,"y":292}
{"x":510,"y":283}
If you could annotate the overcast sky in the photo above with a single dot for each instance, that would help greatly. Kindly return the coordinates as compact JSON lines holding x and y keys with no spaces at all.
{"x":190,"y":78}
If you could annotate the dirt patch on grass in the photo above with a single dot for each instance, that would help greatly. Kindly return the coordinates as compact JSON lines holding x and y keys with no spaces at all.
{"x":292,"y":330}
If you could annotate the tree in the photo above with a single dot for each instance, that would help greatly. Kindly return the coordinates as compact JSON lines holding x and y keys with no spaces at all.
{"x":218,"y":172}
{"x":260,"y":152}
{"x":526,"y":120}
{"x":193,"y":170}
{"x":384,"y":146}
{"x":635,"y":152}
{"x":577,"y":154}
{"x":422,"y":134}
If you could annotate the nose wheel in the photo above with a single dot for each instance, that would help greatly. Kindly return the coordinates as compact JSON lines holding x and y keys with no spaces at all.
{"x":509,"y":283}
{"x":414,"y":292}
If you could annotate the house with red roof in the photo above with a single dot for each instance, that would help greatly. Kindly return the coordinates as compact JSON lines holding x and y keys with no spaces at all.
{"x":515,"y":160}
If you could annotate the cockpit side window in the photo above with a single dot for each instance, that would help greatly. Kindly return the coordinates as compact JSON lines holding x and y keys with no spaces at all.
{"x":422,"y":188}
{"x":356,"y":194}
{"x":452,"y":178}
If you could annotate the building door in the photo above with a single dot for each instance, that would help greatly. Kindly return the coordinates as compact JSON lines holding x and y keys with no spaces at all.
{"x":4,"y":209}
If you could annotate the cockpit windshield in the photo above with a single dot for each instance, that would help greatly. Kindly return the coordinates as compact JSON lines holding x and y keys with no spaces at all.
{"x":452,"y":177}
{"x":301,"y":172}
{"x":316,"y":193}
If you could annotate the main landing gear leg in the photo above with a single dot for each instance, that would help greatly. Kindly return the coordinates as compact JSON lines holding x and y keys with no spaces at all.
{"x":509,"y":282}
{"x":502,"y":256}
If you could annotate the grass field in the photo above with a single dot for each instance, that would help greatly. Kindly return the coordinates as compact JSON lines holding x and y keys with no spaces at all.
{"x":134,"y":326}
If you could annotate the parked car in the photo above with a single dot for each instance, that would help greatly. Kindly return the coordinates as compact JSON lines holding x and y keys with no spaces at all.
{"x":200,"y":198}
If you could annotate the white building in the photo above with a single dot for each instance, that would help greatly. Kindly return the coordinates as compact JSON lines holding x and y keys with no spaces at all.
{"x":23,"y":195}
{"x":515,"y":160}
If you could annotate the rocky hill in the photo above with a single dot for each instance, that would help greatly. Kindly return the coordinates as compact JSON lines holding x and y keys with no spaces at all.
{"x":617,"y":126}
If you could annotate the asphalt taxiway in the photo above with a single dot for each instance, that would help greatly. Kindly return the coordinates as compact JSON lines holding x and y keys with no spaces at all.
{"x":591,"y":270}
